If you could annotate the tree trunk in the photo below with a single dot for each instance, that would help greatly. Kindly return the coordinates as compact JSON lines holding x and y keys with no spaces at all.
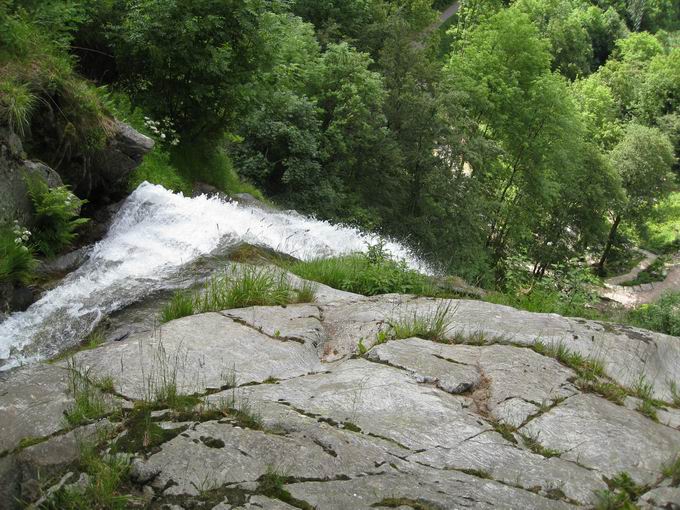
{"x":608,"y":246}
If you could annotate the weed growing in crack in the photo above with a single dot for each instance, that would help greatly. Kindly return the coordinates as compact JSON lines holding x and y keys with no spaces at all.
{"x":415,"y":504}
{"x":505,"y":430}
{"x":105,"y":487}
{"x":90,"y":403}
{"x":535,"y":446}
{"x":587,"y":368}
{"x":432,"y":325}
{"x":271,"y":484}
{"x":672,"y":471}
{"x":675,"y":393}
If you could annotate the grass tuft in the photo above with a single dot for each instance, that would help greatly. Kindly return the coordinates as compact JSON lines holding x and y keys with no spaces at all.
{"x":432,"y":325}
{"x":238,"y":287}
{"x":90,"y":403}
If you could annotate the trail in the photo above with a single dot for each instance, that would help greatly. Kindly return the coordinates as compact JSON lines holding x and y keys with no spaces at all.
{"x":645,"y":293}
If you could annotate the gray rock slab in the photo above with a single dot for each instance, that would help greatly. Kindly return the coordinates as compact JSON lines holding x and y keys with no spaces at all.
{"x":436,"y":489}
{"x":32,"y":403}
{"x":666,"y":498}
{"x":256,"y":503}
{"x":601,"y":435}
{"x":626,"y":352}
{"x":198,"y":352}
{"x":517,"y":381}
{"x":292,"y":322}
{"x":428,"y":362}
{"x":380,"y":400}
{"x":213,"y":454}
{"x":507,"y":463}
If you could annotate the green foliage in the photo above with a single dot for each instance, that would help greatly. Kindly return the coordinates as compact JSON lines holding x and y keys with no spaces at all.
{"x":566,"y":290}
{"x":432,"y":325}
{"x":108,"y":475}
{"x":238,"y":287}
{"x":361,"y":274}
{"x":89,"y":401}
{"x":672,"y":471}
{"x":17,"y":260}
{"x":654,"y":273}
{"x":56,"y":215}
{"x":661,"y":232}
{"x":663,"y":315}
{"x":189,"y":61}
{"x":16,"y":106}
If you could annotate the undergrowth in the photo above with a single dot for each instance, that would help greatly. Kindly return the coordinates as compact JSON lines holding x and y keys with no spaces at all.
{"x":17,"y":260}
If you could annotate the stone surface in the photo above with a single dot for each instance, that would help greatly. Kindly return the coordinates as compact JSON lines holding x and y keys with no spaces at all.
{"x":198,"y":353}
{"x":32,"y":403}
{"x":409,"y":424}
{"x":601,"y":435}
{"x":666,"y":498}
{"x":430,"y":488}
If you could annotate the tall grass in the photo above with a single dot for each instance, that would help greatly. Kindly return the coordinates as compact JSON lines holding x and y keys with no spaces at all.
{"x":359,"y":274}
{"x":431,"y":325}
{"x":238,"y":287}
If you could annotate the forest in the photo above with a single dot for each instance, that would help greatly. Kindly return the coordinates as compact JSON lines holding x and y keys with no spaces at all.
{"x":517,"y":142}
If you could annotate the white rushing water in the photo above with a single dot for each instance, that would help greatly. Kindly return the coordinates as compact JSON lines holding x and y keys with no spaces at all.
{"x":154,"y":235}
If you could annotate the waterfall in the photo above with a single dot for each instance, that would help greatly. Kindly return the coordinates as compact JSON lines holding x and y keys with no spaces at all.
{"x":154,"y":235}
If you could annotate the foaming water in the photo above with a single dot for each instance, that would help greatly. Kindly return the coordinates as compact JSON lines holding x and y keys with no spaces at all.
{"x":154,"y":235}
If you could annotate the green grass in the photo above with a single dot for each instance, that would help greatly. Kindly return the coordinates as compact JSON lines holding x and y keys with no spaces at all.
{"x":16,"y":106}
{"x":90,"y":402}
{"x":432,"y":325}
{"x":587,"y":368}
{"x":672,"y":471}
{"x":654,"y":273}
{"x":105,"y":490}
{"x":544,"y":301}
{"x":271,"y":484}
{"x":662,"y":232}
{"x":17,"y":261}
{"x":238,"y":287}
{"x":662,"y":316}
{"x":207,"y":161}
{"x":360,"y":274}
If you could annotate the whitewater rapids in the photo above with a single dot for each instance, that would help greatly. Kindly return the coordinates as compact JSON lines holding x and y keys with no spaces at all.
{"x":153,"y":236}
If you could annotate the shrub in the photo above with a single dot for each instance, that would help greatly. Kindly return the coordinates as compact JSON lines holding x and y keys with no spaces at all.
{"x":17,"y":261}
{"x":662,"y":316}
{"x":56,"y":215}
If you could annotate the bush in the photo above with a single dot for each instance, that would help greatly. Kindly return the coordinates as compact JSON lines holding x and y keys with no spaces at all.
{"x":662,"y":316}
{"x":17,"y":261}
{"x":368,"y":274}
{"x":56,"y":215}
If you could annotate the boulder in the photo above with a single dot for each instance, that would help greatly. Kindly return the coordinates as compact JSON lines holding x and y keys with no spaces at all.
{"x":103,"y":176}
{"x":14,"y":201}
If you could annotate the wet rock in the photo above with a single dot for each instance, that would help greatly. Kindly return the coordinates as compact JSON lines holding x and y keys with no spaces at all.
{"x":606,"y":437}
{"x":65,"y":263}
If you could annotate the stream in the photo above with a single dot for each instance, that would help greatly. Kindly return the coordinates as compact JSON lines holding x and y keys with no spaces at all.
{"x":154,"y":237}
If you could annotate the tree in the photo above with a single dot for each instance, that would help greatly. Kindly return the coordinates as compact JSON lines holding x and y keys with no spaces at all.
{"x":598,"y":110}
{"x":190,"y":61}
{"x":643,"y":158}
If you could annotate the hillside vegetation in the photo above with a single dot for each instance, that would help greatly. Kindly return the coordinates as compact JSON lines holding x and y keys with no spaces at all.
{"x":518,"y":142}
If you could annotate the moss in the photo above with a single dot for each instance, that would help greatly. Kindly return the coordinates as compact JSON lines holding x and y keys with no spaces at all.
{"x":31,"y":441}
{"x":142,"y":433}
{"x":401,"y":502}
{"x":479,"y":473}
{"x":271,"y":484}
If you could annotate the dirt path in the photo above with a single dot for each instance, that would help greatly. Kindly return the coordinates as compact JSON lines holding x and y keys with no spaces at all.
{"x":646,"y":293}
{"x":443,"y":18}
